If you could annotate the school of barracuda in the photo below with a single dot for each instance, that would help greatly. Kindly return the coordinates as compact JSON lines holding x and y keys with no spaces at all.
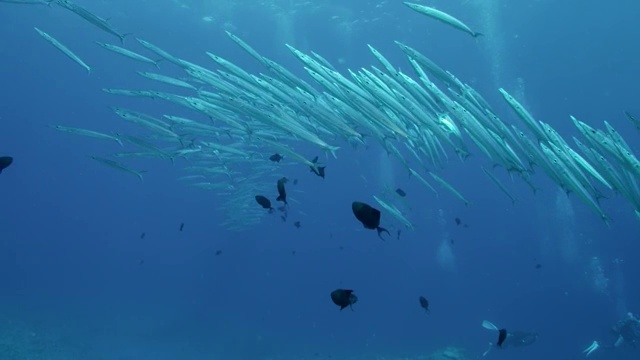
{"x":238,"y":116}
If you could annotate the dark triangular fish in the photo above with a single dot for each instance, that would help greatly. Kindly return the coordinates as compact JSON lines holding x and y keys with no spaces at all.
{"x":401,"y":192}
{"x":282,"y":193}
{"x":368,"y":216}
{"x":276,"y":157}
{"x":502,"y":336}
{"x":5,"y":162}
{"x":320,"y":169}
{"x":297,"y":224}
{"x":264,"y":202}
{"x":344,"y":298}
{"x":424,"y":303}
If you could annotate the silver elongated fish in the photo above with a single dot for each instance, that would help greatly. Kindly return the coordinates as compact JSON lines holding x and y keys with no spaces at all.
{"x":89,"y":133}
{"x":128,"y":53}
{"x":499,"y":185}
{"x":58,"y":45}
{"x":443,"y":17}
{"x":94,"y":19}
{"x":118,"y":166}
{"x":28,"y":2}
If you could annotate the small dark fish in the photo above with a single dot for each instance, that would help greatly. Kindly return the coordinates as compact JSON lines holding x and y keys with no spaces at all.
{"x":368,"y":216}
{"x":297,"y":224}
{"x":276,"y":157}
{"x":5,"y":162}
{"x":341,"y":247}
{"x":295,"y":181}
{"x":401,"y":192}
{"x":452,"y":242}
{"x":424,"y":303}
{"x":264,"y":202}
{"x":181,"y":226}
{"x":538,"y":266}
{"x":141,"y":262}
{"x":344,"y":298}
{"x":320,"y":169}
{"x":293,"y":252}
{"x":282,"y":193}
{"x":143,"y":235}
{"x":399,"y":231}
{"x":502,"y":336}
{"x":284,"y":218}
{"x":218,"y":252}
{"x":458,"y":221}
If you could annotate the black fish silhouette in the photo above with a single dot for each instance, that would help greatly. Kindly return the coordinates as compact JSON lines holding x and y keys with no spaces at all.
{"x":282,"y":193}
{"x":276,"y":157}
{"x":368,"y":216}
{"x":5,"y":162}
{"x":502,"y":336}
{"x":424,"y":303}
{"x":344,"y":298}
{"x":401,"y":192}
{"x":264,"y":202}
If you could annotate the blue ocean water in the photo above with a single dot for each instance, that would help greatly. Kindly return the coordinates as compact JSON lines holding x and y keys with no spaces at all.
{"x":77,"y":280}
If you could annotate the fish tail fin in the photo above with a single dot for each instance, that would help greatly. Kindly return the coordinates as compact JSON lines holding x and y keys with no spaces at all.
{"x":489,"y":325}
{"x":157,"y":62}
{"x":380,"y":230}
{"x":488,"y":350}
{"x":333,"y":150}
{"x":123,"y":36}
{"x":477,"y":34}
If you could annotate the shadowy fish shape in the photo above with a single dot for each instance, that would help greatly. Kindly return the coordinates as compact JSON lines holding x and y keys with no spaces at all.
{"x":320,"y":169}
{"x":424,"y":303}
{"x":218,"y":252}
{"x":5,"y":162}
{"x":282,"y":193}
{"x":502,"y":336}
{"x":181,"y":226}
{"x":264,"y":202}
{"x":276,"y":157}
{"x":401,"y":192}
{"x":344,"y":298}
{"x":297,"y":224}
{"x":368,"y":216}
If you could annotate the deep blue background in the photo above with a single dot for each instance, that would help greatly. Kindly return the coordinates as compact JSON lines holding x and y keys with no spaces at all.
{"x":70,"y":283}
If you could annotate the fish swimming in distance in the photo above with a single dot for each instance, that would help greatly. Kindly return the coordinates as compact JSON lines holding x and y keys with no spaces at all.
{"x":401,"y":192}
{"x":502,"y":336}
{"x":344,"y":298}
{"x":318,"y":170}
{"x":424,"y":303}
{"x":264,"y":202}
{"x":276,"y":157}
{"x":443,"y":17}
{"x":282,"y":193}
{"x":5,"y":162}
{"x":368,"y":216}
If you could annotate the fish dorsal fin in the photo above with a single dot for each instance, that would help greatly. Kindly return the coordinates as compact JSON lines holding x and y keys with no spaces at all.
{"x":489,"y":325}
